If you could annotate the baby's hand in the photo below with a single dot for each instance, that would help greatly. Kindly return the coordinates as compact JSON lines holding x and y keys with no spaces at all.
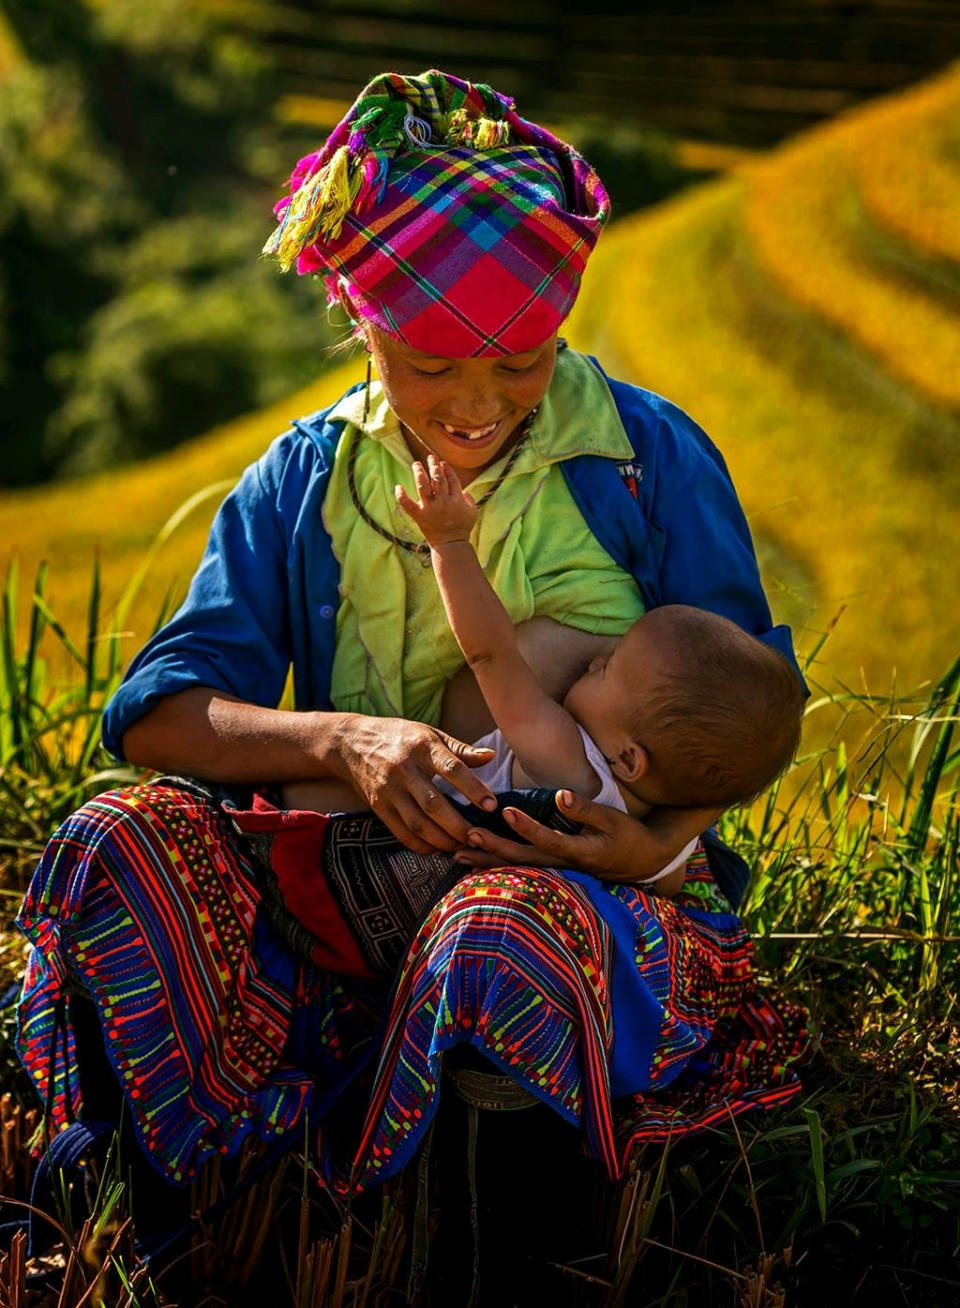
{"x":444,"y":511}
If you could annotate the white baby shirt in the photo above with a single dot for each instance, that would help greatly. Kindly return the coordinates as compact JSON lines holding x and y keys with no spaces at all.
{"x":497,"y":774}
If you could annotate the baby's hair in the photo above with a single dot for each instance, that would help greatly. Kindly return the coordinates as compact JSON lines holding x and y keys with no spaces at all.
{"x":723,"y":719}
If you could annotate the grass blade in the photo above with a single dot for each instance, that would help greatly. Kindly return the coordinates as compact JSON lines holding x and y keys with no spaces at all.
{"x":816,"y":1159}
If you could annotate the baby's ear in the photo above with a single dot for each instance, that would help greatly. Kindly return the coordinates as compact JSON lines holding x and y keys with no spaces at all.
{"x":633,"y":762}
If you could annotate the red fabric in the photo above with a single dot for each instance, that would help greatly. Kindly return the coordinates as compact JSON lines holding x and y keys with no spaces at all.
{"x":296,"y":859}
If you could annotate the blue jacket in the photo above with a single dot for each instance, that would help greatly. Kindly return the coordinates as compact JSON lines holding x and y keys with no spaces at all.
{"x":265,"y":595}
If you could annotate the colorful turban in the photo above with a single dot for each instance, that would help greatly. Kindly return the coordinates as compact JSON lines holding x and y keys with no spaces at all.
{"x":452,"y":223}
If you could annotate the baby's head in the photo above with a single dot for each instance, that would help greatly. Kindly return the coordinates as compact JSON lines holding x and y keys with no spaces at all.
{"x":690,"y":711}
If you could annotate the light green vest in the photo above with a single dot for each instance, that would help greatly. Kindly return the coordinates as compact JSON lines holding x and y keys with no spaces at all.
{"x":394,"y":648}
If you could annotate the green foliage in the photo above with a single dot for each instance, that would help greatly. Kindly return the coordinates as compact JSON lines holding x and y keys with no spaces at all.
{"x":639,"y":165}
{"x":60,"y":196}
{"x":138,"y":163}
{"x":51,"y":759}
{"x":198,"y":331}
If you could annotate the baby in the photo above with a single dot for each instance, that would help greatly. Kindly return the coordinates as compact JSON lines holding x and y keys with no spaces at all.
{"x":687,"y":712}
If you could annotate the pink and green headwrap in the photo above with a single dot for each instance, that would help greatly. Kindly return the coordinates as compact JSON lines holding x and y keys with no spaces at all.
{"x":451,"y":222}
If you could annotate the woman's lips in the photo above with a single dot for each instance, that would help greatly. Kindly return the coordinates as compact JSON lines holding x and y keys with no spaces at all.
{"x":471,"y":435}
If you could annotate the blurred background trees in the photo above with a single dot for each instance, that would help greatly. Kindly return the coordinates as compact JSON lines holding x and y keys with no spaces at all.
{"x":138,"y":165}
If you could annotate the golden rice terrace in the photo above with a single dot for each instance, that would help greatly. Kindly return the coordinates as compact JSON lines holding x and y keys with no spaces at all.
{"x":805,"y":308}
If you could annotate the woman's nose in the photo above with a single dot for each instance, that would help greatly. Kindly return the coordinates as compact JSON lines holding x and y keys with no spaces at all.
{"x":481,"y":404}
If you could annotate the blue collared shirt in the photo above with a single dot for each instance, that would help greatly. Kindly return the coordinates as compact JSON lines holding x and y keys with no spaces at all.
{"x":266,"y":592}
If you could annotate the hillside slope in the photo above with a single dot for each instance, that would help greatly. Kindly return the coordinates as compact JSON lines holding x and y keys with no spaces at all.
{"x":118,"y":514}
{"x":803,"y":312}
{"x":768,"y":304}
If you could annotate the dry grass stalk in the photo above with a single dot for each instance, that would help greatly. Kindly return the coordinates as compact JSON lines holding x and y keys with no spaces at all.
{"x":109,"y":1248}
{"x":577,"y":1274}
{"x":319,"y":1266}
{"x":72,"y":1285}
{"x":203,"y":1251}
{"x":249,"y":1221}
{"x":13,"y":1273}
{"x":17,"y":1125}
{"x":344,"y":1240}
{"x":635,"y":1203}
{"x":759,"y":1290}
{"x":389,"y":1243}
{"x":230,"y":1247}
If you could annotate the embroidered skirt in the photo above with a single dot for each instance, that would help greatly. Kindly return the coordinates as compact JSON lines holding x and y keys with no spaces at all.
{"x":635,"y":1018}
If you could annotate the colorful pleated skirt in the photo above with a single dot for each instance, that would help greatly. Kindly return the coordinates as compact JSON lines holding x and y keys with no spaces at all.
{"x":635,"y":1018}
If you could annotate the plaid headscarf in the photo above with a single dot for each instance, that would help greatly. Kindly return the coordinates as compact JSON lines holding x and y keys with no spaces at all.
{"x":451,"y":222}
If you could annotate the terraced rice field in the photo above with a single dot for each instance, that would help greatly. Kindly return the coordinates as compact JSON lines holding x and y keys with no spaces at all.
{"x":829,"y":374}
{"x":805,"y":308}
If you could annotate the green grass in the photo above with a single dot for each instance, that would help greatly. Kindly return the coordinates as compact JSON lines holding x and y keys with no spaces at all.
{"x":851,"y":1191}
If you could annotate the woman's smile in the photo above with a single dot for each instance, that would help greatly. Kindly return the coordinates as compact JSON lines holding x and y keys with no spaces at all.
{"x":470,"y":433}
{"x":476,"y":437}
{"x":465,"y":411}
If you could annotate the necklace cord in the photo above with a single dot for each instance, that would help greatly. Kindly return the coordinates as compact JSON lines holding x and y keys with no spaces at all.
{"x":420,"y":548}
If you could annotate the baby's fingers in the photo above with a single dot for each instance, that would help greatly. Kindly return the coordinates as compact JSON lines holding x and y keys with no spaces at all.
{"x":424,"y":480}
{"x":450,"y":480}
{"x":410,"y":507}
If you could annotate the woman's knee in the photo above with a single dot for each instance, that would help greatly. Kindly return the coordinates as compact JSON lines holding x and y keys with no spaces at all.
{"x":102,"y":815}
{"x":513,"y":896}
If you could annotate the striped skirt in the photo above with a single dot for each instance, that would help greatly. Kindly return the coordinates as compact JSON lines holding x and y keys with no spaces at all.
{"x":635,"y":1018}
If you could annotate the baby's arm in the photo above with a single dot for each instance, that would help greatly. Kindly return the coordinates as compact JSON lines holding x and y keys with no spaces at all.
{"x":543,"y":736}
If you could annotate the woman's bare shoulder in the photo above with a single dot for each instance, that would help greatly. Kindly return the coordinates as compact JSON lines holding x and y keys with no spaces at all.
{"x":557,"y":654}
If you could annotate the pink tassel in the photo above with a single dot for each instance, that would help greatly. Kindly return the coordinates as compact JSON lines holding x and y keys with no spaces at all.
{"x":302,"y":170}
{"x":374,"y":171}
{"x":309,"y":261}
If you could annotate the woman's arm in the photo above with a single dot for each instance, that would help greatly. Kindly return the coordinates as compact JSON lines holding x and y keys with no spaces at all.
{"x":197,"y":698}
{"x":390,"y":762}
{"x":204,"y":733}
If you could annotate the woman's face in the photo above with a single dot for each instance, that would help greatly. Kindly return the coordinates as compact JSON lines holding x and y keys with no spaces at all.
{"x":467,"y":411}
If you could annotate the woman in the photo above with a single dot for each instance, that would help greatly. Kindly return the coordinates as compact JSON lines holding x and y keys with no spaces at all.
{"x":455,"y":234}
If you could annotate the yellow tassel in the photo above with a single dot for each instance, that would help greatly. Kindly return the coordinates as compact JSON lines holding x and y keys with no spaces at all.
{"x":480,"y":133}
{"x":337,"y":191}
{"x":488,"y":133}
{"x":319,"y":206}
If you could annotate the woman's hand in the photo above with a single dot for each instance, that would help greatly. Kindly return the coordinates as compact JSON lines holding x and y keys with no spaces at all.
{"x":391,"y":763}
{"x":613,"y":845}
